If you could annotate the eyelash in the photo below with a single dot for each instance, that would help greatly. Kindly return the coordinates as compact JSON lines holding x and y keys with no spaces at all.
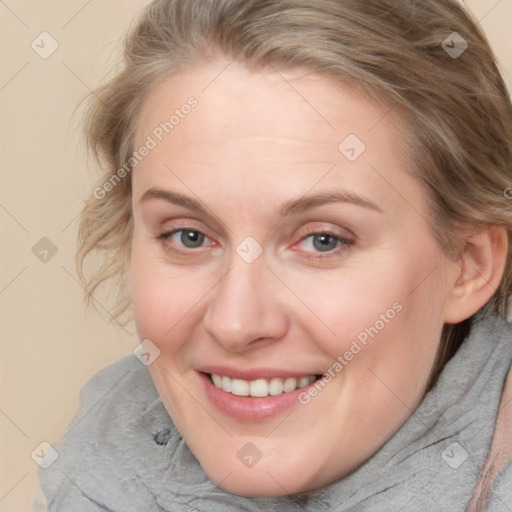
{"x":343,"y":243}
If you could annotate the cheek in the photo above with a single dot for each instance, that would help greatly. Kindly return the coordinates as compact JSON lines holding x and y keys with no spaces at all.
{"x":164,"y":301}
{"x":381,"y":304}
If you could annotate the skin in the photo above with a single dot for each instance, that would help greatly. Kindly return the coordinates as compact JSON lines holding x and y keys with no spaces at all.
{"x":254,"y":142}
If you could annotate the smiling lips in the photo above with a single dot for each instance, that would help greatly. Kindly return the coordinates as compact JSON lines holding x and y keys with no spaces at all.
{"x":260,"y":387}
{"x":254,"y":394}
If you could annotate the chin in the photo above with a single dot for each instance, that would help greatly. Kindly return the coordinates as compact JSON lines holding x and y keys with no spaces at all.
{"x":262,"y":480}
{"x":259,"y":485}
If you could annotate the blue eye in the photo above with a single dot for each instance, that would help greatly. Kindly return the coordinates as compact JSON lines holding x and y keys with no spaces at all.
{"x":184,"y":241}
{"x":324,"y":242}
{"x":189,"y":238}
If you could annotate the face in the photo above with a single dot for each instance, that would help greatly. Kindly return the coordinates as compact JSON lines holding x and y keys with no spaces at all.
{"x":283,"y":265}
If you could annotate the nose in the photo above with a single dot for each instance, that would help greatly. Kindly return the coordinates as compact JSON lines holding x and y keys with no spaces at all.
{"x":244,"y":310}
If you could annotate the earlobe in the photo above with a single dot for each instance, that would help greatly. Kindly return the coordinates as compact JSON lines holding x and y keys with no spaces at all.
{"x":477,"y":272}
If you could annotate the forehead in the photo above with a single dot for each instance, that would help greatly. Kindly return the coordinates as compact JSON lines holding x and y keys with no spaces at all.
{"x":269,"y":103}
{"x":252,"y":125}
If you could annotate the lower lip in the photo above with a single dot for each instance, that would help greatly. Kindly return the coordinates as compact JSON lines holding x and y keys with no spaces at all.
{"x":251,"y":408}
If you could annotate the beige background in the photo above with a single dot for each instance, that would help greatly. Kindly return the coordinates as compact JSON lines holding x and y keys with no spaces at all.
{"x":49,"y":347}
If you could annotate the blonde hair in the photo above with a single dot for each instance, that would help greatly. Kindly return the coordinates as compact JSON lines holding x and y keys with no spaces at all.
{"x":457,"y":106}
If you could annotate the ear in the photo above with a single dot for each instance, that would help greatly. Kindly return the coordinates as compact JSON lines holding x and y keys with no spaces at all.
{"x":478,"y":272}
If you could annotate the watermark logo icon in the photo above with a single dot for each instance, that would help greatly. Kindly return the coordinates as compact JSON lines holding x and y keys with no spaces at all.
{"x":454,"y":455}
{"x":44,"y":455}
{"x":249,"y":249}
{"x":352,"y":147}
{"x":146,"y":352}
{"x":455,"y":45}
{"x":44,"y":45}
{"x":44,"y":250}
{"x":249,"y":455}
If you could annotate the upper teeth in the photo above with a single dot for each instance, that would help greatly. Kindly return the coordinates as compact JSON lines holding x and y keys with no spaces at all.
{"x":260,"y":387}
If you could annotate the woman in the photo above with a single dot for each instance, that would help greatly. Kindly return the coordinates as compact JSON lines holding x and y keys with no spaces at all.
{"x":306,"y":207}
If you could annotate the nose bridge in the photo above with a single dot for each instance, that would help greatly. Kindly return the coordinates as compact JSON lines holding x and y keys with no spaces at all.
{"x":243,"y":307}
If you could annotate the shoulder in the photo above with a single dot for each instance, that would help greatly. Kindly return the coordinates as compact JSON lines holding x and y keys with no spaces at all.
{"x":124,"y":386}
{"x":113,"y":431}
{"x":499,"y":462}
{"x":125,"y":373}
{"x":495,"y":483}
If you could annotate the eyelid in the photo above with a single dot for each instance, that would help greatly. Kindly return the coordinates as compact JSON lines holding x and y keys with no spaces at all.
{"x":168,"y":233}
{"x":344,"y":241}
{"x":320,"y":228}
{"x":343,"y":245}
{"x":173,"y":225}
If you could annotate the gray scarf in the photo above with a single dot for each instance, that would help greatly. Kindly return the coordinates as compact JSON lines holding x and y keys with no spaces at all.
{"x":122,"y":452}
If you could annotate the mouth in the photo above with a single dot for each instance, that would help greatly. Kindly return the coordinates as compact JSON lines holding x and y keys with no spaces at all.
{"x":261,"y":387}
{"x":255,"y":399}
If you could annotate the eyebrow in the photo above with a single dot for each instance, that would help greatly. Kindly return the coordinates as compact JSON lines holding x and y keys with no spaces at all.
{"x":294,"y":206}
{"x":174,"y":198}
{"x":304,"y":203}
